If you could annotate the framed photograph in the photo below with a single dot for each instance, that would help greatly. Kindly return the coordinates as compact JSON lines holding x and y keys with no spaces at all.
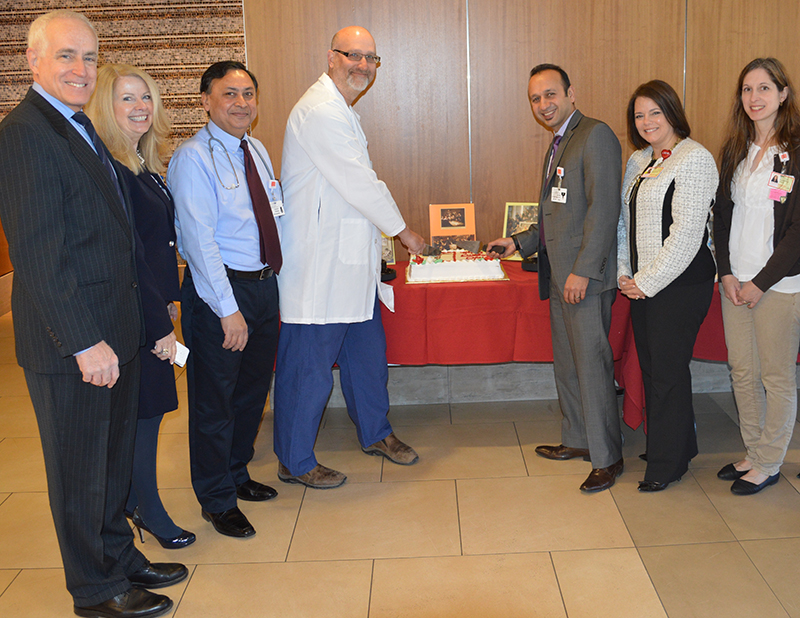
{"x":451,"y":223}
{"x":387,"y":249}
{"x":519,"y":217}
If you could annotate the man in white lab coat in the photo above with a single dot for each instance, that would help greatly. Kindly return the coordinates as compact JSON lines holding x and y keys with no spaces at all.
{"x":336,"y":209}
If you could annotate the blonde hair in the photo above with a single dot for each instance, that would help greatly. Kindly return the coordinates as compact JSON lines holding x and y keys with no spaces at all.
{"x":37,"y":38}
{"x":100,"y":108}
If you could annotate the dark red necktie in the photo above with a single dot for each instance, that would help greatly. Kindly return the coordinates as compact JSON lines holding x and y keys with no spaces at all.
{"x":267,"y":230}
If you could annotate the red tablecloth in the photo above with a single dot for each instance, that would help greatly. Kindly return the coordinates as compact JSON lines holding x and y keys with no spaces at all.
{"x":504,"y":321}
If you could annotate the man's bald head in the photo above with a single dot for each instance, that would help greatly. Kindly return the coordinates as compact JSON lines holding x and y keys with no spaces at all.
{"x":351,"y":77}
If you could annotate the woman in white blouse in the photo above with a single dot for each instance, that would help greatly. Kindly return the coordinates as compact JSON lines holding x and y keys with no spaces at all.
{"x":666,"y":268}
{"x":757,"y":238}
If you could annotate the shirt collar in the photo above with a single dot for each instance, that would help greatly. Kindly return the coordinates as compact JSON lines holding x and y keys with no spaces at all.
{"x":231,"y":142}
{"x":63,"y":109}
{"x":563,"y":128}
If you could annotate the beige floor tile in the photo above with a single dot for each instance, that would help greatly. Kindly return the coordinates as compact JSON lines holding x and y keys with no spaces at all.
{"x":173,"y":461}
{"x":8,"y":354}
{"x":274,"y":522}
{"x":42,"y":593}
{"x":512,"y":586}
{"x":531,"y":435}
{"x":300,"y":590}
{"x":711,"y":579}
{"x":178,"y":420}
{"x":399,"y":416}
{"x":680,"y":514}
{"x":772,"y":513}
{"x":6,"y":325}
{"x":180,"y":379}
{"x":378,"y":520}
{"x":20,"y":514}
{"x":37,"y":593}
{"x":17,"y":419}
{"x":619,"y":573}
{"x":536,"y":514}
{"x":6,"y":577}
{"x":718,"y":441}
{"x":460,"y":451}
{"x":505,"y":411}
{"x":22,"y":465}
{"x":4,"y":497}
{"x":12,"y":381}
{"x":338,"y":448}
{"x":778,"y":561}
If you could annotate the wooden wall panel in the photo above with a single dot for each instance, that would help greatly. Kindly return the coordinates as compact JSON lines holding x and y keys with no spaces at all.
{"x":721,"y":41}
{"x":415,"y":113}
{"x":606,"y":48}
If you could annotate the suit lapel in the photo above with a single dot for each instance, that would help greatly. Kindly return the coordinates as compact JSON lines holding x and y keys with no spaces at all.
{"x":85,"y":156}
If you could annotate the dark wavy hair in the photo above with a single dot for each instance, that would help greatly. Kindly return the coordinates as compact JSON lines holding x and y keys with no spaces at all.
{"x":663,"y":95}
{"x":741,"y":130}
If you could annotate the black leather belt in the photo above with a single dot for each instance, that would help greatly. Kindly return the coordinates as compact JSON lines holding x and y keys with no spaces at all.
{"x":264,"y":273}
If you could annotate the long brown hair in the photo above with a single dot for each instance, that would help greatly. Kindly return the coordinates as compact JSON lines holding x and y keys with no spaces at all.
{"x":741,"y":130}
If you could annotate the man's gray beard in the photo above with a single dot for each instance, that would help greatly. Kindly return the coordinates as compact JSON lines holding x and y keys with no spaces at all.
{"x":355,"y":81}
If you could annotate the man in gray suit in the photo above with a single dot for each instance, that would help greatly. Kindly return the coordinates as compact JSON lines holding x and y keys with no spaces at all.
{"x":576,"y":238}
{"x":77,"y":319}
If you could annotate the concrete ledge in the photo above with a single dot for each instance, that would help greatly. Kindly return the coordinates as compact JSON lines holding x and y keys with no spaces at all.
{"x":506,"y":382}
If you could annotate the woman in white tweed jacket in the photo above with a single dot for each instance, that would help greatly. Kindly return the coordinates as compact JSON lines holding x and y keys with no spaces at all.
{"x":666,"y":268}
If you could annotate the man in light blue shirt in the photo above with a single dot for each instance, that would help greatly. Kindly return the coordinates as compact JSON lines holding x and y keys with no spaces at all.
{"x":227,"y":206}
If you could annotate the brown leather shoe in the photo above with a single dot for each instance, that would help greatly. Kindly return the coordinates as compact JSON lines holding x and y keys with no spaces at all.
{"x":562,"y":452}
{"x":318,"y":477}
{"x":394,"y":450}
{"x":602,"y":478}
{"x":133,"y":603}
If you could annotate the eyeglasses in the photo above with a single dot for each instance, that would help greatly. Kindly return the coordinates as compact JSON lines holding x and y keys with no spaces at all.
{"x":356,"y":56}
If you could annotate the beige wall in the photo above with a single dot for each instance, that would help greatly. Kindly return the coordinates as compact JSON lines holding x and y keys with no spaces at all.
{"x":454,"y":78}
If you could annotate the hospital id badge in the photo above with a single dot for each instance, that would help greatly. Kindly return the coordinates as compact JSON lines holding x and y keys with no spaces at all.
{"x":782,"y":182}
{"x":558,"y":195}
{"x":277,"y":208}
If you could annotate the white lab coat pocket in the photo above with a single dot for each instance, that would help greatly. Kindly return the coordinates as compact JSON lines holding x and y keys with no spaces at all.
{"x":355,"y":237}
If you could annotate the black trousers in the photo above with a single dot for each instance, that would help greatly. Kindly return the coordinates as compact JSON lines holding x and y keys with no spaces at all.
{"x":665,"y":328}
{"x":227,"y":390}
{"x":87,"y":435}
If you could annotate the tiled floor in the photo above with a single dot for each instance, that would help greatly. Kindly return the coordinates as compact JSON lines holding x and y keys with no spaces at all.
{"x":480,"y":528}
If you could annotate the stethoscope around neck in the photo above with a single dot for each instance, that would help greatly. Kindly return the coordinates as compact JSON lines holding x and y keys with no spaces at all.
{"x":212,"y":142}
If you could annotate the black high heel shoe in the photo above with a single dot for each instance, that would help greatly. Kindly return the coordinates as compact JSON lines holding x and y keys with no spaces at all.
{"x":182,"y":540}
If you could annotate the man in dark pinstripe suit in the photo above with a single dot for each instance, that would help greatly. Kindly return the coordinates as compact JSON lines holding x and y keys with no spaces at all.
{"x":77,"y":320}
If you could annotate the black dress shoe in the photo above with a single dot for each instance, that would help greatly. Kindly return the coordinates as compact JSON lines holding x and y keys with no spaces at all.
{"x":651,"y":486}
{"x":602,"y":478}
{"x":741,"y":487}
{"x":562,"y":452}
{"x":134,"y":603}
{"x":230,"y":523}
{"x":730,"y":473}
{"x":158,"y":575}
{"x":255,"y":492}
{"x":643,"y":456}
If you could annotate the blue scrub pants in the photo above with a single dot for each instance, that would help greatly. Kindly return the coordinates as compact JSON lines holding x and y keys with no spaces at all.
{"x":303,"y":382}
